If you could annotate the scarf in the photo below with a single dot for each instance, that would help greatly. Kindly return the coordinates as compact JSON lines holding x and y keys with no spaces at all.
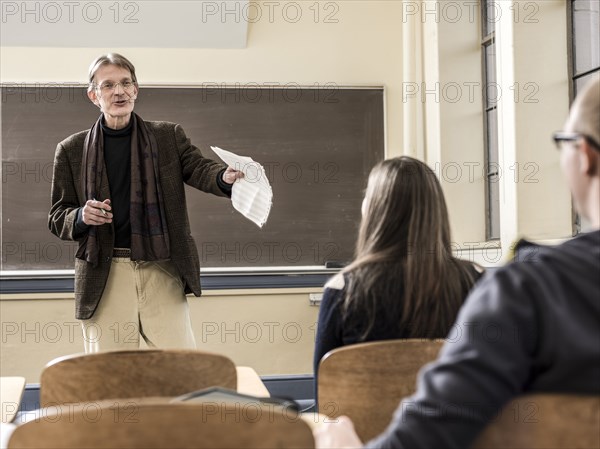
{"x":149,"y":233}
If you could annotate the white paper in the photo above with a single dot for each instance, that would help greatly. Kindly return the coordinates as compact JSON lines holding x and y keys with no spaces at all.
{"x":251,"y":195}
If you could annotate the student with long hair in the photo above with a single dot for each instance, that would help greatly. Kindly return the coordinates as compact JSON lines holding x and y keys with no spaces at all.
{"x":404,"y":281}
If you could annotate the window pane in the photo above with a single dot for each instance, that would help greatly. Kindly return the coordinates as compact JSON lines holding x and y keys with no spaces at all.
{"x":493,"y":178}
{"x":494,"y":217}
{"x":490,"y":14}
{"x":491,"y":92}
{"x":580,"y":82}
{"x":586,"y":39}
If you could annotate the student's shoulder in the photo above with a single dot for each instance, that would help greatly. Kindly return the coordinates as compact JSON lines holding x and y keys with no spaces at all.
{"x":534,"y":264}
{"x":582,"y":247}
{"x":337,"y":282}
{"x":333,"y":295}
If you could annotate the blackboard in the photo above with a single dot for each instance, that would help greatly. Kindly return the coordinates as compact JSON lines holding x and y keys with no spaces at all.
{"x":317,"y":146}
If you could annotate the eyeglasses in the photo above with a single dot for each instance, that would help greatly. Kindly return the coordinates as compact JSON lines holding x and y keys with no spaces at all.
{"x":561,"y":137}
{"x":109,"y":86}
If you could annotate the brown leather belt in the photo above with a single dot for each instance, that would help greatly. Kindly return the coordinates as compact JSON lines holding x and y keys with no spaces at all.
{"x":122,"y":252}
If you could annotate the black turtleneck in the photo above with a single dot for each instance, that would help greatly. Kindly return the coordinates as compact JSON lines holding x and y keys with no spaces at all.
{"x":117,"y":158}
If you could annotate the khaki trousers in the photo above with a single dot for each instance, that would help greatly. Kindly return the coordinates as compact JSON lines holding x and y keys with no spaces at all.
{"x":140,"y":299}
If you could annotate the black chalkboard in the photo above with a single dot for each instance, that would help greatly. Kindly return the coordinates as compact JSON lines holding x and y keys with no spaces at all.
{"x":317,"y":146}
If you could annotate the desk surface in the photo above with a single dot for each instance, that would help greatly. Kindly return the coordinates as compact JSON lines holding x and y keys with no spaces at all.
{"x":248,"y":382}
{"x":11,"y":392}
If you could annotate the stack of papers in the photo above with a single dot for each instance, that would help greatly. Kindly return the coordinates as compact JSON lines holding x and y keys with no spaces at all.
{"x":251,"y":195}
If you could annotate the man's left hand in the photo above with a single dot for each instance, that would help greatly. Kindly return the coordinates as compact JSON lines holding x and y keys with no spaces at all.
{"x":231,"y":174}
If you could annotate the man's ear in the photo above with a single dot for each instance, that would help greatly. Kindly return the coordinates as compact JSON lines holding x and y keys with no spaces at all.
{"x":590,"y":159}
{"x":93,"y":97}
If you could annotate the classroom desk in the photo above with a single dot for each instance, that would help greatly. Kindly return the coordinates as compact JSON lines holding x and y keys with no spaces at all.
{"x":11,"y":392}
{"x":248,"y":382}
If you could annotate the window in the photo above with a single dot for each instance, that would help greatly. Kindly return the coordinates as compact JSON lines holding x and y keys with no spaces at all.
{"x":490,"y":14}
{"x":584,"y":51}
{"x":584,"y":27}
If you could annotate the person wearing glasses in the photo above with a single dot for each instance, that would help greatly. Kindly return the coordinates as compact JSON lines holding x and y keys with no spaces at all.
{"x":118,"y":190}
{"x":543,"y":317}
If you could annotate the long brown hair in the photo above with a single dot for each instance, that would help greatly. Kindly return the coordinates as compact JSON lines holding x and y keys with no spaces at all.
{"x":403,"y":253}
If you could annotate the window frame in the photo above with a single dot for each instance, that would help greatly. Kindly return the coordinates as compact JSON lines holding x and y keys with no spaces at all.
{"x":573,"y":77}
{"x":492,"y":213}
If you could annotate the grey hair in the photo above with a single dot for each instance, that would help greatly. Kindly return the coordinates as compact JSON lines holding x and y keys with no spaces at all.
{"x":110,"y":58}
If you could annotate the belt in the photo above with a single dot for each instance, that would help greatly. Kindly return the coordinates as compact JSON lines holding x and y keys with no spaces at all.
{"x":122,"y":252}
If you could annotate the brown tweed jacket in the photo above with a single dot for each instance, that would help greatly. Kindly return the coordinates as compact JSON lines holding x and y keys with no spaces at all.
{"x":179,"y":162}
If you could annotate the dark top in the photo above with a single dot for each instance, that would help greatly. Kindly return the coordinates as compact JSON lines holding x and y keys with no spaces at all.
{"x":117,"y":159}
{"x":334,"y":330}
{"x":532,"y":326}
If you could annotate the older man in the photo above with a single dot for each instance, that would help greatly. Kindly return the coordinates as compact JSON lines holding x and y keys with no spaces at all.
{"x":546,"y":314}
{"x":118,"y":189}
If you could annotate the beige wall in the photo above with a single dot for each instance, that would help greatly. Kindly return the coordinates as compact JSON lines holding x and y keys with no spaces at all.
{"x":272,"y":331}
{"x":460,"y":166}
{"x":541,"y":73}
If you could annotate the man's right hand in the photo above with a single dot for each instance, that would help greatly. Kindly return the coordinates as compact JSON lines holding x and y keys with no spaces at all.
{"x":337,"y":434}
{"x":96,"y":213}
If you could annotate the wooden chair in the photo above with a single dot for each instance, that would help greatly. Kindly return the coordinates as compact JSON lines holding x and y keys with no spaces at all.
{"x":165,"y":425}
{"x":366,"y":381}
{"x":545,"y":421}
{"x":133,"y":374}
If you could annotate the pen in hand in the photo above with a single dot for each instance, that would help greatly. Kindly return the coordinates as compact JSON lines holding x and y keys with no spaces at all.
{"x":101,"y":209}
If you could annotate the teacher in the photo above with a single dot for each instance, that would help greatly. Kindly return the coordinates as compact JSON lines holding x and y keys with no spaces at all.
{"x":118,"y":190}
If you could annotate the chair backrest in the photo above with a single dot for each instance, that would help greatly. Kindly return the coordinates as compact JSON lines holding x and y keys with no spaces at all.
{"x":544,"y":421}
{"x":133,"y":374}
{"x":163,"y":425}
{"x":366,"y":381}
